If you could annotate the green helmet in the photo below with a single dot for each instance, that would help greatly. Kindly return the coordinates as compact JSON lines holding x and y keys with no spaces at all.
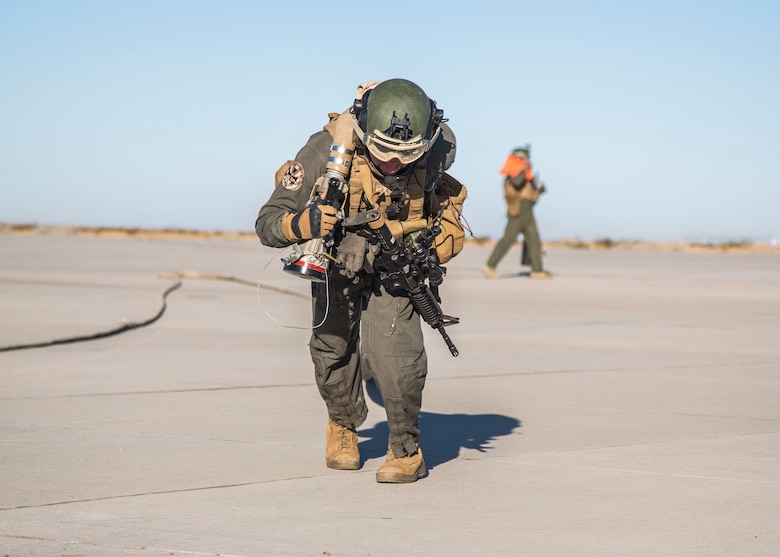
{"x":522,"y":150}
{"x":396,"y":120}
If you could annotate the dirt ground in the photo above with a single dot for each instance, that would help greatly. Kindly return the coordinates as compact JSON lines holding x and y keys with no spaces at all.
{"x":737,"y":246}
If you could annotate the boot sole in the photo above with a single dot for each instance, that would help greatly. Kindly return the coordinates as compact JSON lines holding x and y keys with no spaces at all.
{"x":342,"y":465}
{"x":401,"y":478}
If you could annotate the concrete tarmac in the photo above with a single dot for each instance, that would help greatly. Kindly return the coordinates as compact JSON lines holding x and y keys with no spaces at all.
{"x":628,"y":407}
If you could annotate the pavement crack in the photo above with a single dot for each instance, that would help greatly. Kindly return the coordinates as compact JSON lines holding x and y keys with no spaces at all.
{"x":163,"y":391}
{"x":161,"y":492}
{"x":600,"y":370}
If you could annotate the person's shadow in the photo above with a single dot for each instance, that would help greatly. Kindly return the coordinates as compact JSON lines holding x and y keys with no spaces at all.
{"x":444,"y":434}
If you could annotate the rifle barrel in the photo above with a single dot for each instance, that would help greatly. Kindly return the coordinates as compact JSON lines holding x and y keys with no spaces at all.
{"x":448,"y":340}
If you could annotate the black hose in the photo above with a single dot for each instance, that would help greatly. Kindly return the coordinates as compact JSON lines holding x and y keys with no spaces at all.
{"x":121,"y":329}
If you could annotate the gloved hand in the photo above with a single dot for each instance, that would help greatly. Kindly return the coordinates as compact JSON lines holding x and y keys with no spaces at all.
{"x":315,"y":221}
{"x":351,"y":252}
{"x":322,"y":218}
{"x":371,"y":254}
{"x":400,"y":228}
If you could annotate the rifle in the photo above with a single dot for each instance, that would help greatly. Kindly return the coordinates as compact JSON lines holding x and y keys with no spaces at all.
{"x":407,"y":270}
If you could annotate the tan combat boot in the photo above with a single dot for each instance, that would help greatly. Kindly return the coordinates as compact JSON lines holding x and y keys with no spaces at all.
{"x":401,"y":470}
{"x":540,"y":275}
{"x":489,"y":272}
{"x":341,"y":447}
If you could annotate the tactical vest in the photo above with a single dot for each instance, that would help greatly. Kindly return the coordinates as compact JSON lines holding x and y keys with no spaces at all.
{"x":418,"y":204}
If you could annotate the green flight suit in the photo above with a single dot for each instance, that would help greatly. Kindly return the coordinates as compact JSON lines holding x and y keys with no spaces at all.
{"x":366,"y":326}
{"x":521,"y":196}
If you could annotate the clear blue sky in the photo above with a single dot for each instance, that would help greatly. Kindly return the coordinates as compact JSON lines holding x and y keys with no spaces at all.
{"x":648,"y":120}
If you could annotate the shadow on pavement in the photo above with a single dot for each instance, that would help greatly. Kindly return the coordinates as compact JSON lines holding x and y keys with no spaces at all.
{"x":443,"y":435}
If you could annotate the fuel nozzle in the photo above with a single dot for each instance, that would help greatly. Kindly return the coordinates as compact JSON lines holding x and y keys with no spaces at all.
{"x":311,"y":259}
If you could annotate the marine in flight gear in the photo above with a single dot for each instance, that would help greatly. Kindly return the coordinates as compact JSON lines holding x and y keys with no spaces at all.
{"x":522,"y":189}
{"x":395,"y":181}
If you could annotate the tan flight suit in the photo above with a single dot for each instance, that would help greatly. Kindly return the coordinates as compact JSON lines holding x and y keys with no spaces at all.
{"x":366,"y":326}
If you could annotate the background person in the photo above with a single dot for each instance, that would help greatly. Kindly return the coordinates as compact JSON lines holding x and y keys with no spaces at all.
{"x":521,"y":191}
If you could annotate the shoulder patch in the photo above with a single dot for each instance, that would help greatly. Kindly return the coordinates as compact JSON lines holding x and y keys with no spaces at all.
{"x":293,"y":177}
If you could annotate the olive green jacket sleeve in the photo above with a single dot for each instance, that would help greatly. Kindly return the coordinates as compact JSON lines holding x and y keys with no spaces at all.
{"x":294,"y":183}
